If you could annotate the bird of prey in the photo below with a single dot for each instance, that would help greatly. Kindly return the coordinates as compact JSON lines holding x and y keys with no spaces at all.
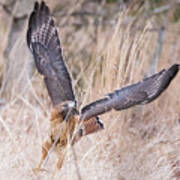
{"x":67,"y":123}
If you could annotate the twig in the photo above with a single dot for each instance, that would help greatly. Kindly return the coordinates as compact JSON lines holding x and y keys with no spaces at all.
{"x":157,"y":54}
{"x":76,"y":164}
{"x":164,"y":8}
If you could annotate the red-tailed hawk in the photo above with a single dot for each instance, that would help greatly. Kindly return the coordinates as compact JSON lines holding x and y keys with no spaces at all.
{"x":44,"y":43}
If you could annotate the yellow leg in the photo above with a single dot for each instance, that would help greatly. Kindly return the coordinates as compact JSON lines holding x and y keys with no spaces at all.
{"x":45,"y":148}
{"x":61,"y":156}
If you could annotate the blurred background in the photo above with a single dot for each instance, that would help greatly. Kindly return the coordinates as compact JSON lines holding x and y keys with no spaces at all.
{"x":107,"y":44}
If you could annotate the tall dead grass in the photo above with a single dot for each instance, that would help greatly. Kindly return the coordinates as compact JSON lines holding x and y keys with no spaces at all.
{"x":139,"y":143}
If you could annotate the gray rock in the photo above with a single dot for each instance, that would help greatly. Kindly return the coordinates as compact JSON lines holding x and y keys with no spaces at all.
{"x":19,"y":70}
{"x":23,"y":8}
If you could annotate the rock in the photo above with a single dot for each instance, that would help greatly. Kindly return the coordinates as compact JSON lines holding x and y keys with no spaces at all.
{"x":19,"y":69}
{"x":23,"y":8}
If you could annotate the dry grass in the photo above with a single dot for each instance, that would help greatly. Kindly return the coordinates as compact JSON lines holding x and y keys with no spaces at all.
{"x":139,"y":143}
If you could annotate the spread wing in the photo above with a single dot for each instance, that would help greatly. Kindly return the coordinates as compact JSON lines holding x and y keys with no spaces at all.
{"x":43,"y":41}
{"x":140,"y":93}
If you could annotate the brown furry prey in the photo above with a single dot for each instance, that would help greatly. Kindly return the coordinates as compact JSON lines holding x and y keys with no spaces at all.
{"x":67,"y":123}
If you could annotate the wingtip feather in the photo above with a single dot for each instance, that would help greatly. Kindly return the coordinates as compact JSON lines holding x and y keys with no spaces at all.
{"x":35,"y":18}
{"x":36,"y":6}
{"x":173,"y":70}
{"x":44,"y":8}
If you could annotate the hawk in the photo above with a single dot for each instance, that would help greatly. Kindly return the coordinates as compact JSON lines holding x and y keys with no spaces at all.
{"x":68,"y":124}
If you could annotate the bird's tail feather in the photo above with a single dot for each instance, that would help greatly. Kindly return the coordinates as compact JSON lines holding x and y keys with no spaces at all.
{"x":88,"y":127}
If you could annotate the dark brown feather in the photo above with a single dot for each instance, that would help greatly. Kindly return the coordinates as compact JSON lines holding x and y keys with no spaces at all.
{"x":43,"y":40}
{"x":142,"y":92}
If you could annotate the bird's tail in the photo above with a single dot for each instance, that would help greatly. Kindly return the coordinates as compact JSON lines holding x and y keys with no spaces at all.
{"x":88,"y":127}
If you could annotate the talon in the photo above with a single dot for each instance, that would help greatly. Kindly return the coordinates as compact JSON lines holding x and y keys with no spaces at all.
{"x":37,"y":170}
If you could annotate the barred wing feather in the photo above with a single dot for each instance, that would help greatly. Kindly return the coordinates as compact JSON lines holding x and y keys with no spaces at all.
{"x":43,"y":41}
{"x":142,"y":92}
